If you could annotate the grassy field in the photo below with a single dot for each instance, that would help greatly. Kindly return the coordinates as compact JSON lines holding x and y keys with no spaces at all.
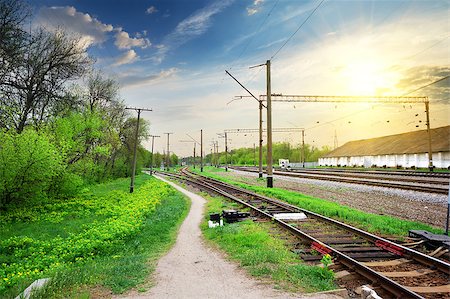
{"x":104,"y":239}
{"x":263,"y":256}
{"x":380,"y":224}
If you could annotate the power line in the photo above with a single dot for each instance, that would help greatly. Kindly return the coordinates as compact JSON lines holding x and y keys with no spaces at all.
{"x":253,"y":36}
{"x":295,"y":32}
{"x":442,"y":79}
{"x":428,"y":48}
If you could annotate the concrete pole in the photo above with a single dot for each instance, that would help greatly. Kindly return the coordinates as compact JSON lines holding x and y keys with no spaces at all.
{"x":201,"y":150}
{"x":226,"y":153}
{"x":151,"y":160}
{"x":260,"y":140}
{"x":194,"y":155}
{"x":135,"y":151}
{"x":254,"y":155}
{"x":430,"y":153}
{"x":218,"y":155}
{"x":303,"y":148}
{"x":168,"y":151}
{"x":448,"y":212}
{"x":269,"y":170}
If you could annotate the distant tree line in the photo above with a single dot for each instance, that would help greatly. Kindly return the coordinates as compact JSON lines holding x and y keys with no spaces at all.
{"x":281,"y":150}
{"x":62,"y":123}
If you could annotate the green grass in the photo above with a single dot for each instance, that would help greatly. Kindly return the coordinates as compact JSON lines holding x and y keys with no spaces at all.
{"x":264,"y":256}
{"x":134,"y":230}
{"x":381,"y":224}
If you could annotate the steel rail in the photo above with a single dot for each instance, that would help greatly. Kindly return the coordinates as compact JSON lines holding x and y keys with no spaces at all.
{"x":361,"y":182}
{"x":411,"y":173}
{"x":391,"y":286}
{"x":371,"y":176}
{"x":418,"y":256}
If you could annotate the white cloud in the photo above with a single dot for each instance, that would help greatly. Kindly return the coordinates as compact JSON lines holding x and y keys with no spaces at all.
{"x":124,"y":41}
{"x":251,"y":11}
{"x":191,"y":27}
{"x":128,"y":57}
{"x":136,"y":80}
{"x":91,"y":30}
{"x":151,"y":10}
{"x":255,"y":8}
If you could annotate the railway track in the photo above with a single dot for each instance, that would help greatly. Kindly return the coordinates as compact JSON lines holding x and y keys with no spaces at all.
{"x":410,"y":173}
{"x":394,"y":269}
{"x":421,"y":184}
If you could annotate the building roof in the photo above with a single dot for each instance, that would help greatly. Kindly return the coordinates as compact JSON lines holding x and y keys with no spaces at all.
{"x":407,"y":143}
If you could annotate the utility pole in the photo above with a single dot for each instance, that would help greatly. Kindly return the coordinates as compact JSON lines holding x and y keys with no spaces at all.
{"x":303,"y":148}
{"x":269,"y":170}
{"x":136,"y":135}
{"x":151,"y":160}
{"x":254,"y":154}
{"x":168,"y":151}
{"x":226,"y":153}
{"x":217,"y":154}
{"x":194,"y":155}
{"x":448,"y":212}
{"x":201,"y":150}
{"x":260,"y":140}
{"x":430,"y":154}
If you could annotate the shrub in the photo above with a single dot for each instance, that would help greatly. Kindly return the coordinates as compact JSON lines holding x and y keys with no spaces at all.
{"x":28,"y":164}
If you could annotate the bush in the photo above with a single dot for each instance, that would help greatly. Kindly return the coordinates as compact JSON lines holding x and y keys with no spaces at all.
{"x":28,"y":164}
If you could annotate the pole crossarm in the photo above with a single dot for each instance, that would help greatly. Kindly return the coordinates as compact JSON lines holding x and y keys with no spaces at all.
{"x":138,"y":109}
{"x":241,"y":97}
{"x":275,"y":130}
{"x":345,"y":99}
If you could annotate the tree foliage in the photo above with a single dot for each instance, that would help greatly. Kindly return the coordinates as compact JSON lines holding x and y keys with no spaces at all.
{"x":56,"y":135}
{"x":284,"y":150}
{"x":28,"y":164}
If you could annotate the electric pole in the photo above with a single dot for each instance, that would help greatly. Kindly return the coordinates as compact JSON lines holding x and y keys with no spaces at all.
{"x":168,"y":151}
{"x":269,"y":170}
{"x":303,"y":148}
{"x":260,"y":140}
{"x":136,"y":135}
{"x":201,"y":150}
{"x":194,"y":155}
{"x":254,"y":154}
{"x":226,"y":153}
{"x":151,"y":160}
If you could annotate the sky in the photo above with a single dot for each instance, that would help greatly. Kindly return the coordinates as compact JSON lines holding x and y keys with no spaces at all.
{"x":171,"y":56}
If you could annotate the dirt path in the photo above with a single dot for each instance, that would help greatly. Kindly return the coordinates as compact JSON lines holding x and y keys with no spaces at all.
{"x":192,"y":270}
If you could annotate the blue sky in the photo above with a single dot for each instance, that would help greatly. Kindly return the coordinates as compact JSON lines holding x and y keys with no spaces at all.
{"x":171,"y":55}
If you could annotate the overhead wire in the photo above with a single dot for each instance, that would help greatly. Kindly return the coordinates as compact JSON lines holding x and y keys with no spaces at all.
{"x":256,"y":33}
{"x":298,"y":28}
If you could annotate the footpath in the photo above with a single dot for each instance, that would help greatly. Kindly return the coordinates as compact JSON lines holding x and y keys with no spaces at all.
{"x":192,"y":269}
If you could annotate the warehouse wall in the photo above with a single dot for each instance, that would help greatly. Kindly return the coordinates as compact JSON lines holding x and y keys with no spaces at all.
{"x":440,"y":160}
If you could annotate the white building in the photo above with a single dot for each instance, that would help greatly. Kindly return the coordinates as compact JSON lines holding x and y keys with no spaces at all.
{"x":402,"y":150}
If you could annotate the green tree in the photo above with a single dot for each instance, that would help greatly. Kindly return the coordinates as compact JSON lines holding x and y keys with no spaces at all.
{"x":28,"y":164}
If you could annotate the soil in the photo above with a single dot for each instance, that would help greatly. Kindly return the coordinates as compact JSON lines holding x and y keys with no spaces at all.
{"x":191,"y":269}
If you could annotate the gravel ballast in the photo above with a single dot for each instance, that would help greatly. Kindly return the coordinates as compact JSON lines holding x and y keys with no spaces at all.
{"x":410,"y":205}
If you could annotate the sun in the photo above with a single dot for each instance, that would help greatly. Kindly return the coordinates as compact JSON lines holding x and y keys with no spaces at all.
{"x":364,"y":78}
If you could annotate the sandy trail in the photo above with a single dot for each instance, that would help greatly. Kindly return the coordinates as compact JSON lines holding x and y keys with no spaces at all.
{"x":192,"y":270}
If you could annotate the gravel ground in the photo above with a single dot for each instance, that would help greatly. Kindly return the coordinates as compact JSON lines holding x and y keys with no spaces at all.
{"x":193,"y":270}
{"x":411,"y":205}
